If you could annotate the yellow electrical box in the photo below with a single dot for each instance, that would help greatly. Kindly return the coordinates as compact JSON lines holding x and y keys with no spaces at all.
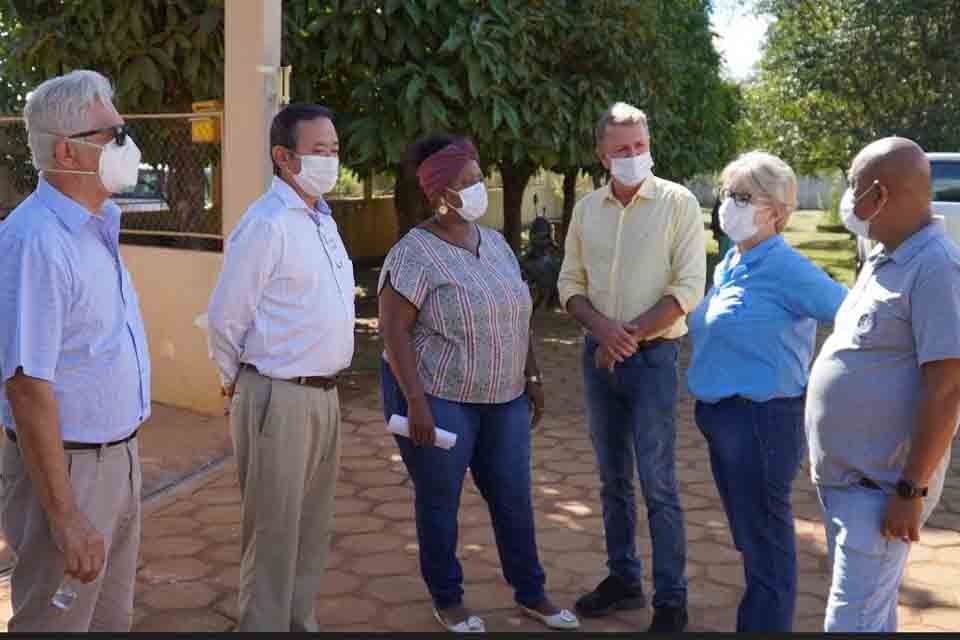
{"x":206,"y":129}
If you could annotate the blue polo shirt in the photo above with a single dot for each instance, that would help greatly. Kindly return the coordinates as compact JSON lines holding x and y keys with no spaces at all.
{"x":867,"y":383}
{"x":69,"y":315}
{"x":755,"y":331}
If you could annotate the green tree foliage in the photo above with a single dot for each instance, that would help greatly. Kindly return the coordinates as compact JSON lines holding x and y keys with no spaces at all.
{"x":837,"y":74}
{"x":161,"y":56}
{"x":525,"y":80}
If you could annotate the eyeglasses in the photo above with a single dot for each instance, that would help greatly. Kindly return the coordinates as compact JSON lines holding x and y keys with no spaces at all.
{"x":741,"y":199}
{"x":119,"y":131}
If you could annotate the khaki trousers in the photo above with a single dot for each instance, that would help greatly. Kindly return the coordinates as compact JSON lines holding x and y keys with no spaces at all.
{"x":287,"y":441}
{"x":106,"y":485}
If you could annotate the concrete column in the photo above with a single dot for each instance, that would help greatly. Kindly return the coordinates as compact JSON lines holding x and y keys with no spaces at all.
{"x":253,"y":33}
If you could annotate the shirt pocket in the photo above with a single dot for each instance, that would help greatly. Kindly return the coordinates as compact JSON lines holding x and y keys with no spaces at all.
{"x":878,"y":326}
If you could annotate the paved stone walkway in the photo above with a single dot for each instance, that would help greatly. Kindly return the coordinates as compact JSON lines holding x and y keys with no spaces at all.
{"x":190,"y":554}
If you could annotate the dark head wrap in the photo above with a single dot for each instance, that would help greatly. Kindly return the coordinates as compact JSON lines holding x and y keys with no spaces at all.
{"x":440,"y":169}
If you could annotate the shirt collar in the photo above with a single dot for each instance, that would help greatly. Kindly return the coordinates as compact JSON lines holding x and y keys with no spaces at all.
{"x":758,"y":252}
{"x":647,"y":191}
{"x":292,"y":200}
{"x":70,"y":212}
{"x":912,"y":245}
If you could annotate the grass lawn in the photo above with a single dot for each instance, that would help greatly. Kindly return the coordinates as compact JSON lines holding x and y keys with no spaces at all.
{"x":835,"y":253}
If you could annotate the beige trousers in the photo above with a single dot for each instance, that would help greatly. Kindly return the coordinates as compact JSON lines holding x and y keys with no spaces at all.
{"x":287,"y":441}
{"x":106,"y":485}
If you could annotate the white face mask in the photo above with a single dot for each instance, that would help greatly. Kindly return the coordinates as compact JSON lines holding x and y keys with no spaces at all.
{"x":739,"y":223}
{"x":119,"y":166}
{"x":474,"y":201}
{"x":318,"y":174}
{"x":856,"y":225}
{"x":631,"y":171}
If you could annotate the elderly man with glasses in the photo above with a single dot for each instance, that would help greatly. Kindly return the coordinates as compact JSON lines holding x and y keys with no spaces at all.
{"x":75,"y":369}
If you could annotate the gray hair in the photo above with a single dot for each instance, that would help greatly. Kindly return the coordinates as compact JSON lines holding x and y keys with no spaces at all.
{"x":620,"y":114}
{"x":772,"y":175}
{"x":62,"y":105}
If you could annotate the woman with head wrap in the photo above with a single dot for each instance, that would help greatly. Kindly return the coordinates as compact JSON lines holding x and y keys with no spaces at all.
{"x":455,"y":319}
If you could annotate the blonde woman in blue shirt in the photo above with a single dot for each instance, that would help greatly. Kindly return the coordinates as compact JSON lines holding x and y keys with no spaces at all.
{"x":753,"y":340}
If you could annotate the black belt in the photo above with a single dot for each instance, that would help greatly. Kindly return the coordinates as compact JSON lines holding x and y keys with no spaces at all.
{"x":319,"y":382}
{"x":656,"y":342}
{"x":79,"y":446}
{"x":867,"y":483}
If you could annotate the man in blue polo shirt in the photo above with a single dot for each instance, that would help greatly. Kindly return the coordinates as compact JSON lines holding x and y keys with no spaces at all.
{"x":884,"y":394}
{"x":75,"y":369}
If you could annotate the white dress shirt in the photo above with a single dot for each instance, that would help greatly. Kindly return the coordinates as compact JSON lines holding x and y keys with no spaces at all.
{"x":284,"y":302}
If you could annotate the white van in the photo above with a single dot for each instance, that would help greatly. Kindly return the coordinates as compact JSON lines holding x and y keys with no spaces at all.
{"x":945,"y":183}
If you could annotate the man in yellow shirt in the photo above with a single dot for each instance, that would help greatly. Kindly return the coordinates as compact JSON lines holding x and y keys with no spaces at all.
{"x":635,"y":265}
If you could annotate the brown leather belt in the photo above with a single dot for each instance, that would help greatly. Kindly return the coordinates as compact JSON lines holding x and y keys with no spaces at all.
{"x":79,"y":446}
{"x":318,"y":382}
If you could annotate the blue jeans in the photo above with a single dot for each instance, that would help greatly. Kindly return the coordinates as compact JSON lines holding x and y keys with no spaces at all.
{"x":867,"y":568}
{"x":631,"y":417}
{"x":756,"y":449}
{"x":494,"y":441}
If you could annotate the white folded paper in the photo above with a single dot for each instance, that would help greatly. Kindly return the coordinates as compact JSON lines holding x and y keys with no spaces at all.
{"x":399,"y":426}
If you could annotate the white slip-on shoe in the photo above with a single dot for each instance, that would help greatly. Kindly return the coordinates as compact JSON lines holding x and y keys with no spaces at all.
{"x":563,"y":620}
{"x":473,"y":624}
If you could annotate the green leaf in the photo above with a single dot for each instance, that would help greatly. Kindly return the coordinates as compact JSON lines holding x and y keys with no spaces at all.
{"x":149,"y":73}
{"x":475,"y":75}
{"x":210,"y":21}
{"x":513,"y":120}
{"x":498,"y":8}
{"x":379,"y":28}
{"x":413,"y":10}
{"x":497,"y":114}
{"x":452,"y":43}
{"x":414,"y":87}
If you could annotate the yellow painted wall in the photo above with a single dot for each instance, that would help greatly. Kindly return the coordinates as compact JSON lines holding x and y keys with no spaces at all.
{"x":174,"y":287}
{"x":368,"y":228}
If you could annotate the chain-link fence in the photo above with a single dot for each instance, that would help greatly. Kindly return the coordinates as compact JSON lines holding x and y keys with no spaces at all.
{"x":177,"y":201}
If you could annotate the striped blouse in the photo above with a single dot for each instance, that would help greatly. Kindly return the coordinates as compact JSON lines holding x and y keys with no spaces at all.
{"x":473,"y":325}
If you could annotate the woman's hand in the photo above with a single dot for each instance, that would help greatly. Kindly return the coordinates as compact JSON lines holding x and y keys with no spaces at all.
{"x":423,"y":431}
{"x":536,"y":397}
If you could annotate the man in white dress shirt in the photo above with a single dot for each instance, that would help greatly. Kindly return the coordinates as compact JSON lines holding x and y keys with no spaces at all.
{"x":281,"y":329}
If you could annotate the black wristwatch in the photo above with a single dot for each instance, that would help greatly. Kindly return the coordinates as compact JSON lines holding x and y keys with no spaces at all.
{"x":906,"y":489}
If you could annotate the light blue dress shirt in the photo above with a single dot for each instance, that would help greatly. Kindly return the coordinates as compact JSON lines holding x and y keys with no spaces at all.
{"x":285,"y":298}
{"x":69,"y":315}
{"x":755,"y":332}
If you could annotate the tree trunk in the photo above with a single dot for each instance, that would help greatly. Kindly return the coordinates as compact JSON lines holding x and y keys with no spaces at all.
{"x":569,"y":198}
{"x":408,"y":201}
{"x":515,"y":178}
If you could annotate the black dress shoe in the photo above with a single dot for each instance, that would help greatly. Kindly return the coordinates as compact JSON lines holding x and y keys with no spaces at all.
{"x":611,"y":594}
{"x":668,"y":620}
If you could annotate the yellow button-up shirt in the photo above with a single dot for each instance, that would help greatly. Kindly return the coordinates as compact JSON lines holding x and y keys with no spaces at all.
{"x":626,"y":259}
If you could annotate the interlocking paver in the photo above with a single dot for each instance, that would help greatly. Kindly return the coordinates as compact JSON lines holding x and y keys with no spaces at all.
{"x":177,"y":596}
{"x":173,"y":570}
{"x":190,"y":554}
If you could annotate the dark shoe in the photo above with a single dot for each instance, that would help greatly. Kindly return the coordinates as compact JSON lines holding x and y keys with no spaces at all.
{"x":611,"y":594}
{"x":668,"y":620}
